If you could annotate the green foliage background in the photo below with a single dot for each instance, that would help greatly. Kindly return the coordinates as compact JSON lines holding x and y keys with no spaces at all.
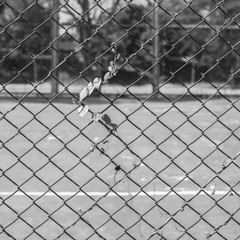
{"x":206,"y":30}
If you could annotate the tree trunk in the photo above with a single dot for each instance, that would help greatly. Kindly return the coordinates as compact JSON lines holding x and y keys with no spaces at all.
{"x":85,"y":31}
{"x":233,"y":69}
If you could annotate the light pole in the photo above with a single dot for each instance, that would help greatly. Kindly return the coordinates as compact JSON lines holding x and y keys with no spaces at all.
{"x":156,"y":47}
{"x":55,"y":57}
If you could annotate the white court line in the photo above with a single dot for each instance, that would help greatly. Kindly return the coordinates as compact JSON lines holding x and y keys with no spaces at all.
{"x":113,"y":194}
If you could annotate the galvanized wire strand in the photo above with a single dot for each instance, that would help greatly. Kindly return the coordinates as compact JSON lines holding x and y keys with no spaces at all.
{"x":167,"y":216}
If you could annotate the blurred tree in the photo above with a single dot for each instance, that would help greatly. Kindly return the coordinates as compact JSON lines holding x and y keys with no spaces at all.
{"x":23,"y":37}
{"x":1,"y":6}
{"x":131,"y":29}
{"x":194,"y":24}
{"x":231,"y":9}
{"x":100,"y":23}
{"x":86,"y":16}
{"x":27,"y":32}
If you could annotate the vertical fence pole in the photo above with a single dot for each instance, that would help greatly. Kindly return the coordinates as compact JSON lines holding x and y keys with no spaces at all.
{"x":35,"y":72}
{"x":156,"y":47}
{"x":54,"y":53}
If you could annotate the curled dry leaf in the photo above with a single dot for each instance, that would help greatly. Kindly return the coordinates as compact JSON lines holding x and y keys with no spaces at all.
{"x":80,"y":211}
{"x":83,"y":94}
{"x":90,"y":88}
{"x":96,"y":117}
{"x":134,"y":164}
{"x":213,"y":189}
{"x":82,"y":110}
{"x":110,"y":68}
{"x":117,"y":168}
{"x":107,"y":76}
{"x":92,"y":147}
{"x":106,"y":119}
{"x":106,"y":141}
{"x":97,"y":83}
{"x":102,"y":151}
{"x":114,"y":126}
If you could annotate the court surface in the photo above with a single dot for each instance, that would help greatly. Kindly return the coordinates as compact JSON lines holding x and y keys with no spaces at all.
{"x":182,"y":182}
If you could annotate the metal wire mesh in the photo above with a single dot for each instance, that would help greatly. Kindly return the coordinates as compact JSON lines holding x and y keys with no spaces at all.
{"x":141,"y":163}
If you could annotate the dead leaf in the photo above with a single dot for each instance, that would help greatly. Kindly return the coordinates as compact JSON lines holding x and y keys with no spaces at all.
{"x":97,"y":83}
{"x":107,"y":76}
{"x":83,"y":94}
{"x":90,"y":88}
{"x":82,"y":110}
{"x":97,"y":117}
{"x":106,"y":119}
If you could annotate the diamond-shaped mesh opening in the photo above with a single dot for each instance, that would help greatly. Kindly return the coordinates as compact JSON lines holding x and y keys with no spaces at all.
{"x":119,"y":119}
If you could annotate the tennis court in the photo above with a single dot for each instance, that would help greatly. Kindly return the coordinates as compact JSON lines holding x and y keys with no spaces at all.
{"x":119,"y":120}
{"x":182,"y":182}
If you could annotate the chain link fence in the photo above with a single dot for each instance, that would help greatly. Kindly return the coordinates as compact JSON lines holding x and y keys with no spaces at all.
{"x":119,"y":119}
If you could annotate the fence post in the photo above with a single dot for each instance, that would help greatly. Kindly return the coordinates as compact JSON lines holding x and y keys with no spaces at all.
{"x":54,"y":53}
{"x":156,"y":47}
